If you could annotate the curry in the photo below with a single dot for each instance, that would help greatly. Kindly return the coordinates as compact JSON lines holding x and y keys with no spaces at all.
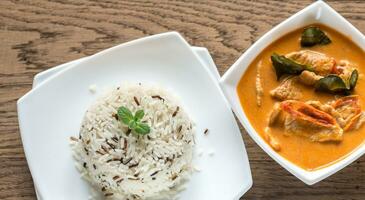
{"x":304,"y":93}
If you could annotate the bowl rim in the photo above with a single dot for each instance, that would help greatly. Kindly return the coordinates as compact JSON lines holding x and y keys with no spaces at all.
{"x":313,"y":13}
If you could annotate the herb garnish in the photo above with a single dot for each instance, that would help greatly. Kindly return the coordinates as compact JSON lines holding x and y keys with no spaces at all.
{"x":335,"y":84}
{"x":133,"y":121}
{"x":283,"y":65}
{"x":312,"y":36}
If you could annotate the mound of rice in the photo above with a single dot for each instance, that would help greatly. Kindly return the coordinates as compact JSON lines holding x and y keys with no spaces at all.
{"x":123,"y":165}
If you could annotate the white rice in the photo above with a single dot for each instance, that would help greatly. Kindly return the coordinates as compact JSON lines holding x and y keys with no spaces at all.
{"x":92,"y":88}
{"x":126,"y":166}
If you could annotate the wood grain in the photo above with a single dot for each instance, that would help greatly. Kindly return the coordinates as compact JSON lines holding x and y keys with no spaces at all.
{"x":36,"y":35}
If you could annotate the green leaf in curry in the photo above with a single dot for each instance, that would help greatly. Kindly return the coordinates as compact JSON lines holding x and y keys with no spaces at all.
{"x":285,"y":65}
{"x":353,"y":79}
{"x":332,"y":84}
{"x":312,"y":36}
{"x":335,"y":84}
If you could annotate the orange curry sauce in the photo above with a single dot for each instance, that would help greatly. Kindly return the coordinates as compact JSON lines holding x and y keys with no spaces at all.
{"x":300,"y":150}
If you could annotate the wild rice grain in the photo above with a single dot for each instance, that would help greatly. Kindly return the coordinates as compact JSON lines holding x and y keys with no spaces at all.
{"x":179,"y":129}
{"x":174,"y":177}
{"x":105,"y":149}
{"x":125,"y":144}
{"x":136,"y":100}
{"x":99,"y":152}
{"x":134,"y":165}
{"x":176,"y":111}
{"x":158,"y":97}
{"x":115,"y":139}
{"x":115,"y":116}
{"x":111,"y":145}
{"x":127,"y":161}
{"x":154,"y":173}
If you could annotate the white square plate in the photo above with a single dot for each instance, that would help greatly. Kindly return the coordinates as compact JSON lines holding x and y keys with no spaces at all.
{"x":53,"y":111}
{"x":318,"y":12}
{"x":202,"y":52}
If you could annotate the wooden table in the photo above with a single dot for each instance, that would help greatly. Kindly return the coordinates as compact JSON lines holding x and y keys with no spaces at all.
{"x":36,"y":35}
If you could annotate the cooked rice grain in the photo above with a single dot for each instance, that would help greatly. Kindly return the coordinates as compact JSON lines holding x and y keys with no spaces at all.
{"x":123,"y":165}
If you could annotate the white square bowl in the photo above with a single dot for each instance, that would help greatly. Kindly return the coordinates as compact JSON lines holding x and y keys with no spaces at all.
{"x":52,"y":111}
{"x":318,"y":12}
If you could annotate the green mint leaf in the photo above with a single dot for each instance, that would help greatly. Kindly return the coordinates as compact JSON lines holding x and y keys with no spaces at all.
{"x":138,"y":115}
{"x":125,"y":115}
{"x":142,"y":128}
{"x":133,"y":122}
{"x":132,"y":125}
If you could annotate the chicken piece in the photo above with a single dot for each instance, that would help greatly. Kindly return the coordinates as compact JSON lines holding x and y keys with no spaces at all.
{"x":316,"y":121}
{"x":349,"y":111}
{"x":305,"y":120}
{"x":309,"y":78}
{"x":353,"y":123}
{"x":271,"y":140}
{"x":318,"y":105}
{"x":307,"y":114}
{"x":325,"y":108}
{"x":344,"y":69}
{"x":361,"y":121}
{"x":275,"y":114}
{"x":345,"y":110}
{"x":314,"y":133}
{"x":317,"y":62}
{"x":287,"y":90}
